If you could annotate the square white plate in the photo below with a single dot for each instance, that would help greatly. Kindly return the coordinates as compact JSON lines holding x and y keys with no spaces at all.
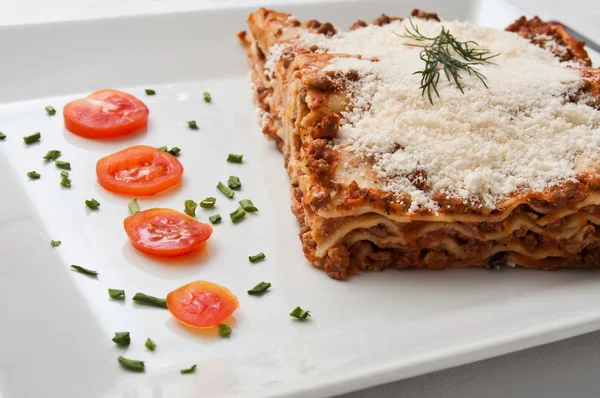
{"x":57,"y":325}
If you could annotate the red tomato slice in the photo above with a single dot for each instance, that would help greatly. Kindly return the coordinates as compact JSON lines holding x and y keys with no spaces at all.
{"x":139,"y":171}
{"x":105,"y":114}
{"x":165,"y":232}
{"x":202,"y":304}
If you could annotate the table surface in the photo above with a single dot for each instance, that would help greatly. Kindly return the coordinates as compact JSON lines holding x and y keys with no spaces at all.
{"x":557,"y":370}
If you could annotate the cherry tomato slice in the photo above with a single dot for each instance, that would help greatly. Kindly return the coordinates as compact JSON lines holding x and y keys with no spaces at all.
{"x":105,"y":114}
{"x":202,"y":304}
{"x":139,"y":171}
{"x":165,"y":232}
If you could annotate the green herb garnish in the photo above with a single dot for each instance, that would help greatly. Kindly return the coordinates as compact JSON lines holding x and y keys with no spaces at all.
{"x":438,"y":55}
{"x":299,"y":313}
{"x":247,"y":205}
{"x":150,"y":300}
{"x":260,"y":288}
{"x":30,"y":139}
{"x":93,"y":204}
{"x":192,"y":124}
{"x":174,"y":151}
{"x":133,"y":206}
{"x":51,"y":155}
{"x":116,"y":293}
{"x":63,"y":165}
{"x":234,"y":182}
{"x":82,"y":270}
{"x":224,"y":330}
{"x":150,"y":92}
{"x":2,"y":136}
{"x":151,"y":345}
{"x":55,"y":243}
{"x":237,"y":215}
{"x":188,"y":371}
{"x":208,"y":203}
{"x":190,"y":208}
{"x":122,"y":338}
{"x":65,"y":182}
{"x":233,"y":158}
{"x":257,"y":257}
{"x":64,"y":174}
{"x":207,"y":97}
{"x":50,"y":110}
{"x":34,"y":175}
{"x":215,"y":218}
{"x":225,"y":189}
{"x":132,"y":364}
{"x":163,"y":148}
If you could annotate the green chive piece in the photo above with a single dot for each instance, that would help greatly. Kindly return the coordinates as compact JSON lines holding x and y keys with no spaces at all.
{"x":133,"y":206}
{"x":51,"y":111}
{"x":150,"y":300}
{"x":190,"y":208}
{"x":192,"y":124}
{"x":207,"y":97}
{"x":247,"y":205}
{"x":65,"y":182}
{"x":174,"y":151}
{"x":150,"y":92}
{"x":64,"y":174}
{"x":52,"y":154}
{"x":224,"y":330}
{"x":257,"y":257}
{"x":86,"y":271}
{"x":116,"y":293}
{"x":233,"y":158}
{"x":2,"y":136}
{"x":188,"y":371}
{"x":225,"y":189}
{"x":63,"y":165}
{"x":208,"y":203}
{"x":93,"y":204}
{"x":55,"y":243}
{"x":163,"y":148}
{"x":237,"y":215}
{"x":259,"y":288}
{"x":215,"y":218}
{"x":132,"y":364}
{"x":122,"y":338}
{"x":299,"y":313}
{"x":151,"y":345}
{"x":30,"y":139}
{"x":234,"y":182}
{"x":34,"y":175}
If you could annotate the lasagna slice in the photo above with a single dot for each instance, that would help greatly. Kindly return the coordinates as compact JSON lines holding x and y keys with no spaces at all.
{"x":503,"y":169}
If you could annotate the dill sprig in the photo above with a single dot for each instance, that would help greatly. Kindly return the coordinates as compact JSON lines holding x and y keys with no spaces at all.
{"x":438,"y":54}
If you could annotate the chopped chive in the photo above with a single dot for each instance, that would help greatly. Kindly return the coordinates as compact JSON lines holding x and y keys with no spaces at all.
{"x":30,"y":139}
{"x":163,"y":148}
{"x":188,"y":371}
{"x":234,"y":182}
{"x":225,"y":189}
{"x":208,"y":203}
{"x":64,"y":174}
{"x":65,"y":182}
{"x":86,"y":271}
{"x":247,"y":205}
{"x":260,"y":288}
{"x":174,"y":151}
{"x":116,"y":293}
{"x":150,"y":92}
{"x":122,"y":338}
{"x":192,"y":124}
{"x":151,"y":345}
{"x":215,"y":218}
{"x":133,"y":206}
{"x":233,"y":158}
{"x":93,"y":204}
{"x":150,"y":300}
{"x":237,"y":215}
{"x":51,"y":111}
{"x":224,"y":330}
{"x":256,"y":257}
{"x":52,"y":154}
{"x":299,"y":313}
{"x":207,"y":97}
{"x":2,"y":136}
{"x":55,"y":243}
{"x":34,"y":175}
{"x":63,"y":165}
{"x":131,"y":364}
{"x":190,"y":208}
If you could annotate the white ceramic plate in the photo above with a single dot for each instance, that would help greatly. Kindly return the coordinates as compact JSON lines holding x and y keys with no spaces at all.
{"x":57,"y":325}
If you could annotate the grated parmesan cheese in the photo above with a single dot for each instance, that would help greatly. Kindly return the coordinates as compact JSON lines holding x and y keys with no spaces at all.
{"x":276,"y":51}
